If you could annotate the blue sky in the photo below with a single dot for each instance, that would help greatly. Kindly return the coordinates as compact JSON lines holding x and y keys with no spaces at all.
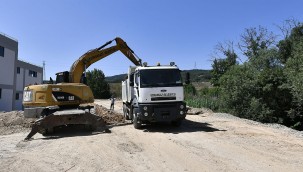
{"x":60,"y":31}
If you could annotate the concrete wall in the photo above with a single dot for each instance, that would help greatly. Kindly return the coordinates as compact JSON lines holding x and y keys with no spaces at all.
{"x":6,"y":100}
{"x":7,"y":65}
{"x":11,"y":82}
{"x":29,"y":80}
{"x":20,"y":79}
{"x":18,"y":103}
{"x":19,"y":87}
{"x":7,"y":72}
{"x":25,"y":79}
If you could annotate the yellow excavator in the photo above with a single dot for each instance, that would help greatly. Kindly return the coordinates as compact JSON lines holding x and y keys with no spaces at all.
{"x":63,"y":103}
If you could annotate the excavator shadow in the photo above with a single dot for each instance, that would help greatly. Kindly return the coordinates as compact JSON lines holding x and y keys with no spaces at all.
{"x":79,"y":130}
{"x":187,"y":126}
{"x":74,"y":131}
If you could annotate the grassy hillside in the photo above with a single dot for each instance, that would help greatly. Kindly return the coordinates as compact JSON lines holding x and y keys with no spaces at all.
{"x":196,"y":75}
{"x":115,"y":78}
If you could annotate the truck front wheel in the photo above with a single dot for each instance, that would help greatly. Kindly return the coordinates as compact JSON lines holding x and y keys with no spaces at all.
{"x":136,"y":122}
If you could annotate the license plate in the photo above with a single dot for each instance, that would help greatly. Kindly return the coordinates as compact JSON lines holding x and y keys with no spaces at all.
{"x":27,"y":96}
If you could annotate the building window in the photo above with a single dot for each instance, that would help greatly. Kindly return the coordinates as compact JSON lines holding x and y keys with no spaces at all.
{"x":32,"y":73}
{"x":17,"y":96}
{"x":18,"y":70}
{"x":1,"y":51}
{"x":0,"y":92}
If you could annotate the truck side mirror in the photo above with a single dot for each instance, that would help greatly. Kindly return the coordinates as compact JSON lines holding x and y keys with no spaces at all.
{"x":187,"y":78}
{"x":136,"y":80}
{"x":131,"y":83}
{"x":131,"y":80}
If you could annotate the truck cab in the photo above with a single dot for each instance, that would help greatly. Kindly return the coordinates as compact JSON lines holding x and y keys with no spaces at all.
{"x":153,"y":94}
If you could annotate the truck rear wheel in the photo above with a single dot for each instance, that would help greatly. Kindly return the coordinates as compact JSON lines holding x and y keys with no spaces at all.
{"x":136,"y":122}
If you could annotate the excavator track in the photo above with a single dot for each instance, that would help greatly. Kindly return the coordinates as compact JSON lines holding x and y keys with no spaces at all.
{"x":56,"y":118}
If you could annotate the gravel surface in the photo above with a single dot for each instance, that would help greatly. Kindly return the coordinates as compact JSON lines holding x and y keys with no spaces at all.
{"x":205,"y":142}
{"x":280,"y":127}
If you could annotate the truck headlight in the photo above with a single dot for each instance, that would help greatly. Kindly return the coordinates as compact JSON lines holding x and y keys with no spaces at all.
{"x":145,"y":108}
{"x":181,"y":106}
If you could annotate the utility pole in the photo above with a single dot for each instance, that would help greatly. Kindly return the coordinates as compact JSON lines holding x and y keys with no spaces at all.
{"x":44,"y":78}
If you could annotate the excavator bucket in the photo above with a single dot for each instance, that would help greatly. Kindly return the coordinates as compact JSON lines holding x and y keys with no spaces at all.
{"x":66,"y":117}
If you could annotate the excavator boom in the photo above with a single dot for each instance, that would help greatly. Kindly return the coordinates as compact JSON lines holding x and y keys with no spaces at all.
{"x":97,"y":54}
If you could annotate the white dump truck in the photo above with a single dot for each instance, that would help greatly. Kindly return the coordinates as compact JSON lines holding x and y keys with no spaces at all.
{"x":153,"y":94}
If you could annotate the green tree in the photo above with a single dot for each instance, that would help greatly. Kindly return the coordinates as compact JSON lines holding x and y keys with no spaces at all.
{"x":237,"y":88}
{"x":268,"y":86}
{"x":255,"y":39}
{"x":222,"y":65}
{"x":190,"y":90}
{"x":255,"y":89}
{"x":96,"y":81}
{"x":292,"y":31}
{"x":291,"y":50}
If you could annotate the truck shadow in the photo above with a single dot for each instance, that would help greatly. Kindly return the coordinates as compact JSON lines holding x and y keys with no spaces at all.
{"x":187,"y":126}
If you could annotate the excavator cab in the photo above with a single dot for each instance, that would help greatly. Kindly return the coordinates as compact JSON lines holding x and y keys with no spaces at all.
{"x":62,"y":77}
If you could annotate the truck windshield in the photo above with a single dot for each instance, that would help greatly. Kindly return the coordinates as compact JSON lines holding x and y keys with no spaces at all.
{"x":160,"y":78}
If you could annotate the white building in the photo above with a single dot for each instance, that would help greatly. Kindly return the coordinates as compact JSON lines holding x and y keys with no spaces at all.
{"x":14,"y":75}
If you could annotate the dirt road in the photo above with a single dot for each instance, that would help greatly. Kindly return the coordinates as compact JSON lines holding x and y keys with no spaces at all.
{"x":205,"y":142}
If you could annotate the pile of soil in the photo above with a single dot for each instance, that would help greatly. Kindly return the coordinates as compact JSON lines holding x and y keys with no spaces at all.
{"x":14,"y":122}
{"x":110,"y":117}
{"x":197,"y":111}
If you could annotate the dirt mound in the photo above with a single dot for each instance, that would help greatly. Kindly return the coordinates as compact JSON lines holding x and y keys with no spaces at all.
{"x":110,"y":117}
{"x":13,"y":122}
{"x":197,"y":111}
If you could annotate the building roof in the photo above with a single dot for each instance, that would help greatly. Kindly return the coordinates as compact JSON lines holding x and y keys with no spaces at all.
{"x":10,"y":37}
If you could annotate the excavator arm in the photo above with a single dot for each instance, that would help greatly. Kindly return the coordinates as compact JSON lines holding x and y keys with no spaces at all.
{"x":94,"y":55}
